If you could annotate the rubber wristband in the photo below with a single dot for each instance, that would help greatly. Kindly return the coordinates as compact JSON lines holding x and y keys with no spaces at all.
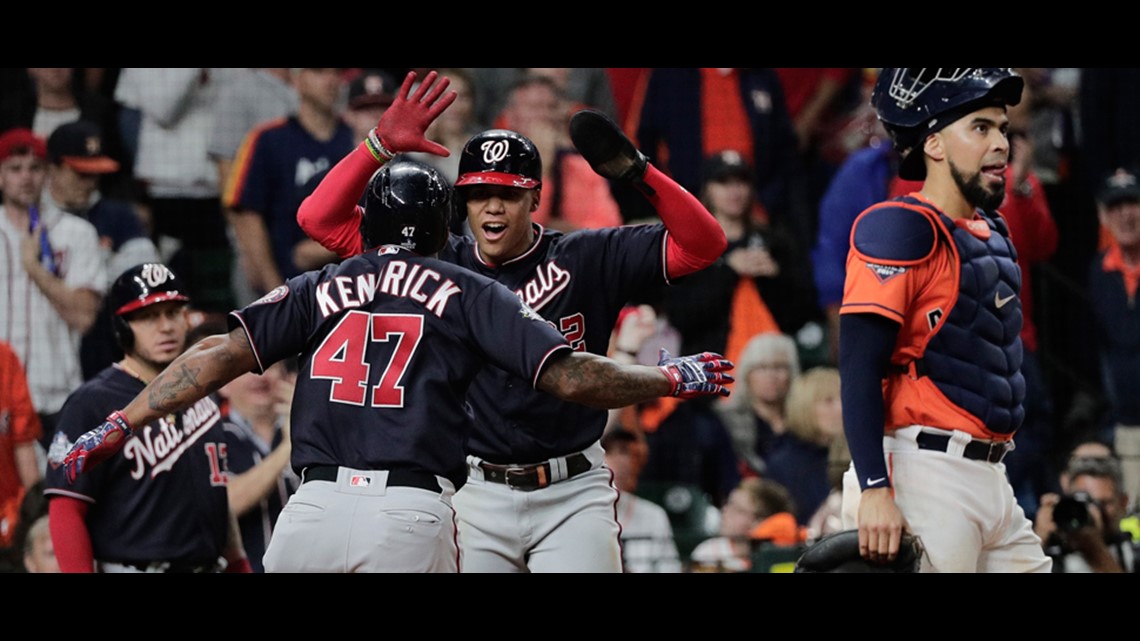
{"x":381,"y":153}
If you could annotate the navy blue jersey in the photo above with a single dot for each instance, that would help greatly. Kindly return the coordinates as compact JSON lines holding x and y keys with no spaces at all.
{"x":163,"y":498}
{"x":389,"y":342}
{"x":271,"y":171}
{"x":245,"y":450}
{"x":580,"y":282}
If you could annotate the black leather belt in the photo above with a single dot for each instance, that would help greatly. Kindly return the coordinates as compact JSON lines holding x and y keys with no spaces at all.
{"x":975,"y":450}
{"x":396,"y":478}
{"x":533,"y":477}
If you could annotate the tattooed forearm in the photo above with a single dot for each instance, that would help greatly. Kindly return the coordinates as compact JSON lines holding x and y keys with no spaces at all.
{"x":601,"y":382}
{"x":200,"y":371}
{"x":166,"y":390}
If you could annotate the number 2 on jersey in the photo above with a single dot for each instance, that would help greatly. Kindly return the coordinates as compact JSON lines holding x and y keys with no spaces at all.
{"x":342,"y":357}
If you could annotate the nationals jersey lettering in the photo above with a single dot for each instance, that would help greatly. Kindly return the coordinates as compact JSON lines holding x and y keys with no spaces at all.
{"x":160,"y":444}
{"x":549,"y":281}
{"x":396,"y":280}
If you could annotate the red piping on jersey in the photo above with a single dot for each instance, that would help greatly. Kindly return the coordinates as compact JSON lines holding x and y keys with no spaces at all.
{"x":236,"y":180}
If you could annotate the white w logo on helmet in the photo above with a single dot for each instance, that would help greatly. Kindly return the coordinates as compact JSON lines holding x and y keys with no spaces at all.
{"x":155,"y":274}
{"x":495,"y":151}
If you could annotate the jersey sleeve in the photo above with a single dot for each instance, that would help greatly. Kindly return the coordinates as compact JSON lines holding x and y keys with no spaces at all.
{"x":624,"y":262}
{"x":510,"y":334}
{"x":888,"y":263}
{"x":85,"y":267}
{"x":280,"y":323}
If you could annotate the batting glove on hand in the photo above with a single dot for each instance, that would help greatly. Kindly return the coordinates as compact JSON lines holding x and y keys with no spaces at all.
{"x":695,"y":376}
{"x":603,"y":145}
{"x":403,"y":124}
{"x":96,"y":446}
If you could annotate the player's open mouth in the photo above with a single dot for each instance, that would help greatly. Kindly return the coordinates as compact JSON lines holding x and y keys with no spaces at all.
{"x":995,"y":171}
{"x":494,"y":231}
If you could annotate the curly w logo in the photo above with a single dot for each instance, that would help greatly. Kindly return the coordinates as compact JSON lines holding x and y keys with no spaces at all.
{"x":495,"y":151}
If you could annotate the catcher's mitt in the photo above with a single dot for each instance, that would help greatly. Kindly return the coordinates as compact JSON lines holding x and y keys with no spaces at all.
{"x":838,"y":553}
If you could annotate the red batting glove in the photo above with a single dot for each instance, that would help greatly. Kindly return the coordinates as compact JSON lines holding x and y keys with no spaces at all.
{"x":403,"y":124}
{"x":695,"y":376}
{"x":96,"y":446}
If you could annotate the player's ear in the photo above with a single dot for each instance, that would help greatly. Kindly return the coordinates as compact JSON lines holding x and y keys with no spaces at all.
{"x":934,"y":147}
{"x":537,"y":193}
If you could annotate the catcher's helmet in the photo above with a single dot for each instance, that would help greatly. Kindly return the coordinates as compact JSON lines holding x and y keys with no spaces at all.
{"x":913,"y":103}
{"x":407,"y":204}
{"x":500,"y":157}
{"x":138,"y":287}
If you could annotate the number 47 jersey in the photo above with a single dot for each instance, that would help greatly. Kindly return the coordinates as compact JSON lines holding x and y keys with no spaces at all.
{"x":389,"y":342}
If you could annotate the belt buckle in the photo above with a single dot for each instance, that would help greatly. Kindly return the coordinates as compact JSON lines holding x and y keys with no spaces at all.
{"x":997,"y":451}
{"x":516,"y":471}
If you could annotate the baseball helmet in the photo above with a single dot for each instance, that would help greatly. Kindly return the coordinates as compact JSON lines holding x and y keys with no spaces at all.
{"x":913,"y":103}
{"x":138,"y":287}
{"x":500,"y":157}
{"x":408,"y":204}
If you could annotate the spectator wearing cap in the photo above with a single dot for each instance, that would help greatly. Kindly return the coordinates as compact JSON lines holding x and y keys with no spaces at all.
{"x":760,"y":284}
{"x":51,"y":274}
{"x":272,"y":168}
{"x":369,"y":96}
{"x":1113,"y":279}
{"x":76,"y":161}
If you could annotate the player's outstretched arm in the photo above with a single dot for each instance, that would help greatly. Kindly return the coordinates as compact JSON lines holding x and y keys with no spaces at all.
{"x":329,"y":215}
{"x":597,"y":381}
{"x":696,"y":239}
{"x":199,"y":371}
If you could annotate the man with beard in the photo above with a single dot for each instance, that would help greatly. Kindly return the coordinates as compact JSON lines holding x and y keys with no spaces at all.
{"x":162,"y":506}
{"x":929,"y":351}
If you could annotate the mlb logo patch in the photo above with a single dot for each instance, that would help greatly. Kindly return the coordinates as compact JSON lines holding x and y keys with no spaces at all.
{"x":885,"y":272}
{"x":360,"y":480}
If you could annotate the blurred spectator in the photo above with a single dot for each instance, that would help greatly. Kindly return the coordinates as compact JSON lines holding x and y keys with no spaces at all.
{"x":256,"y":412}
{"x":756,"y":413}
{"x":573,"y":195}
{"x":75,"y":151}
{"x":1081,"y":529}
{"x":56,"y":96}
{"x":277,"y":160}
{"x":757,"y":509}
{"x":369,"y":96}
{"x":250,"y":97}
{"x":1114,"y":276}
{"x":177,"y":108}
{"x":801,"y":461}
{"x":20,"y":468}
{"x":646,"y":534}
{"x":39,"y":553}
{"x":688,"y":114}
{"x":582,"y":86}
{"x":761,"y":283}
{"x":53,"y":275}
{"x":818,"y":99}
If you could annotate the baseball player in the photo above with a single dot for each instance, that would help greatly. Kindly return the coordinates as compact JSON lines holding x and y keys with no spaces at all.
{"x":162,"y":506}
{"x":929,"y":334}
{"x":539,"y":497}
{"x":389,"y":342}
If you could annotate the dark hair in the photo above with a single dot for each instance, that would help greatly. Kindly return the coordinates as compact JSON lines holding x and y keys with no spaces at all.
{"x":1100,"y":467}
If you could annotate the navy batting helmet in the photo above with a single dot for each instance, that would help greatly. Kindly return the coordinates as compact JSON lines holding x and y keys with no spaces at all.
{"x":913,"y":103}
{"x":407,"y":203}
{"x":500,"y":157}
{"x":138,"y":287}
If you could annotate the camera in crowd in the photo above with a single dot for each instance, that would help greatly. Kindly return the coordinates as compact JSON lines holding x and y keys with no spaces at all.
{"x":1072,"y":512}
